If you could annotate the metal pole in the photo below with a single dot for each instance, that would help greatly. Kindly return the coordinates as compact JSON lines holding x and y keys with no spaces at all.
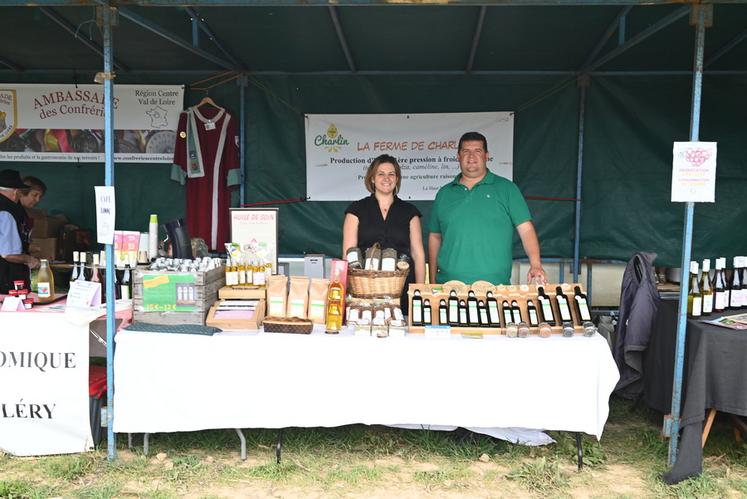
{"x":108,"y":75}
{"x":583,"y":85}
{"x":242,"y":138}
{"x":679,"y":356}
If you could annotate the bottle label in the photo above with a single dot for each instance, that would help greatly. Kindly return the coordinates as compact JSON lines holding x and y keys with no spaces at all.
{"x":507,"y":317}
{"x":493,"y":312}
{"x":125,"y":292}
{"x":388,"y":264}
{"x":697,"y":306}
{"x":453,"y":312}
{"x":707,"y":304}
{"x":741,"y":297}
{"x":463,"y":316}
{"x":316,"y":309}
{"x":720,"y":300}
{"x":426,"y":315}
{"x":297,"y":308}
{"x":735,"y":300}
{"x":259,"y":278}
{"x":417,"y":311}
{"x":442,"y":316}
{"x":583,"y":308}
{"x":275,"y":307}
{"x":565,"y":312}
{"x":473,"y":309}
{"x":484,"y":316}
{"x":517,"y":316}
{"x":533,"y":317}
{"x":44,"y":290}
{"x":547,"y":310}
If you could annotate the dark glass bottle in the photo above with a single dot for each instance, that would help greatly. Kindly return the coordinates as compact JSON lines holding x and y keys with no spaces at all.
{"x":532,"y":312}
{"x":546,"y":307}
{"x":582,"y":305}
{"x":493,"y":314}
{"x":473,"y":314}
{"x":516,"y":312}
{"x":564,"y":308}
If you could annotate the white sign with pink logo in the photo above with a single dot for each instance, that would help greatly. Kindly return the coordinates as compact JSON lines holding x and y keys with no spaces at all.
{"x":694,"y":172}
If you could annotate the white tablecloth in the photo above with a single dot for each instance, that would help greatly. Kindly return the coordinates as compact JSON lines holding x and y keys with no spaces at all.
{"x":167,"y":382}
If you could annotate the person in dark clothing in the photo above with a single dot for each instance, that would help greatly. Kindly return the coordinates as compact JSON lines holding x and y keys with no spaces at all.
{"x":384,"y":218}
{"x":15,"y":261}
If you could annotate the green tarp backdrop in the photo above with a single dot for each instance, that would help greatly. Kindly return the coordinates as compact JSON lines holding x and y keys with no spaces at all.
{"x":631,"y":122}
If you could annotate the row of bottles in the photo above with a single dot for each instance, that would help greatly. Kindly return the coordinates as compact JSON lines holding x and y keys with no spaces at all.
{"x":710,"y":294}
{"x":96,"y":272}
{"x":473,"y":312}
{"x":253,"y":272}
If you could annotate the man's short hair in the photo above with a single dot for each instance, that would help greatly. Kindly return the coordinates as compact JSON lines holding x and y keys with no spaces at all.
{"x":34,"y":183}
{"x":470,"y":136}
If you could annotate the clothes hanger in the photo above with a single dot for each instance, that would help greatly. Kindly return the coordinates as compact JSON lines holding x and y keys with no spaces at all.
{"x":209,"y":101}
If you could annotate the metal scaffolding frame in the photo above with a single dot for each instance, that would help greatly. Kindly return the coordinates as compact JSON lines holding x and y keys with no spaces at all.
{"x":700,"y":15}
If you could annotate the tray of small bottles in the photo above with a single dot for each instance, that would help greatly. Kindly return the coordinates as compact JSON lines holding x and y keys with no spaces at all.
{"x":483,"y":308}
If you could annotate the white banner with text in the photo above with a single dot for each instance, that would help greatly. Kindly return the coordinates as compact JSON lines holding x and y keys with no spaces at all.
{"x":61,"y":123}
{"x":44,"y":405}
{"x":340,"y":147}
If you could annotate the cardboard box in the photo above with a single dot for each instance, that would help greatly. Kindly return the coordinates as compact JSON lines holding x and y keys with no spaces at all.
{"x":45,"y":247}
{"x":46,"y":225}
{"x":235,"y":323}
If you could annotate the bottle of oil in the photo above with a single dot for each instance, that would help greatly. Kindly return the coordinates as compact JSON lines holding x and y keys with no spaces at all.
{"x":45,"y":280}
{"x":335,"y":300}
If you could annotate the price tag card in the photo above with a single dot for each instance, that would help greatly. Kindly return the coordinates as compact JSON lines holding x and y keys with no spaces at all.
{"x":12,"y":304}
{"x":84,"y":294}
{"x":440,"y":332}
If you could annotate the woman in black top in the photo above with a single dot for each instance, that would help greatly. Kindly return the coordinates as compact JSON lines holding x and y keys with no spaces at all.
{"x":384,"y":218}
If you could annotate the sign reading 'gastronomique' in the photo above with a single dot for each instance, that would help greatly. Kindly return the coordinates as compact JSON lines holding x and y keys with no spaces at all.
{"x":339,"y":148}
{"x":44,"y":406}
{"x":66,"y":122}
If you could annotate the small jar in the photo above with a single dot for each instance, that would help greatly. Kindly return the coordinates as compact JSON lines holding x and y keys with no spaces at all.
{"x":545,"y":330}
{"x":568,"y":330}
{"x":389,"y":259}
{"x":28,"y":303}
{"x":512,"y":330}
{"x":589,"y":328}
{"x":523,"y":330}
{"x":354,"y":258}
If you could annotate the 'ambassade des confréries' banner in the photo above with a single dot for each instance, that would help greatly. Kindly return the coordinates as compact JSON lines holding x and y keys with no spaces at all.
{"x":339,"y":148}
{"x":66,"y":122}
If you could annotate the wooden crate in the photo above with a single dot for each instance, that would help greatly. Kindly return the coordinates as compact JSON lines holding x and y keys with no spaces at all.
{"x":520,"y":293}
{"x":207,"y":285}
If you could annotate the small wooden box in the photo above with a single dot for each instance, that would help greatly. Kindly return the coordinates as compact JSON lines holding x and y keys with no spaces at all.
{"x":237,"y":324}
{"x":242,"y":292}
{"x":206,"y":285}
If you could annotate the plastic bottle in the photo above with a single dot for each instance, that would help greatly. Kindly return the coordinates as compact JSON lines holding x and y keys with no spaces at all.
{"x":153,"y":237}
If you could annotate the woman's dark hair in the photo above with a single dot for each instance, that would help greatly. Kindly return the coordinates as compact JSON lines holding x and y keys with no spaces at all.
{"x":374,"y":166}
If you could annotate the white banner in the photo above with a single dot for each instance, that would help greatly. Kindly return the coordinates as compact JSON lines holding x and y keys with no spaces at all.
{"x":44,"y":404}
{"x":65,"y":122}
{"x":339,"y":148}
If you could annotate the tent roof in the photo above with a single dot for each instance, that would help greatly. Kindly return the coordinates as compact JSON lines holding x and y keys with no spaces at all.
{"x":285,"y":37}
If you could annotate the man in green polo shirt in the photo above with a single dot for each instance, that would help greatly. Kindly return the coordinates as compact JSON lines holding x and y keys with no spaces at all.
{"x":472,"y":223}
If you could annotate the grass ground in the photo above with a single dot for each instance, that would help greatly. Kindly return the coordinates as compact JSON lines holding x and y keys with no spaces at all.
{"x":361,"y":461}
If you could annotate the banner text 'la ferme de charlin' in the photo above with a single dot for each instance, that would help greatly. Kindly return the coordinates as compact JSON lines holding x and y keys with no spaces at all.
{"x":49,"y":122}
{"x":339,"y":148}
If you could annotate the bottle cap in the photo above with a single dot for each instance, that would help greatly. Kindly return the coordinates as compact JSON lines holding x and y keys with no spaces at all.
{"x":153,"y":218}
{"x":706,"y":265}
{"x":693,"y":267}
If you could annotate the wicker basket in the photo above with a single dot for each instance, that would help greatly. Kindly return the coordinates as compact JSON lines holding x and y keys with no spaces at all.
{"x":376,"y":283}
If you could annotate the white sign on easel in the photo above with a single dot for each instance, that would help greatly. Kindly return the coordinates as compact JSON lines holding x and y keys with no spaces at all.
{"x":84,"y":294}
{"x":258,"y":227}
{"x":694,"y":172}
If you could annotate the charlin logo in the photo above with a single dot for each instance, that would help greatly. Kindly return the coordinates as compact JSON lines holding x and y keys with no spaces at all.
{"x":8,"y":113}
{"x":332,"y":141}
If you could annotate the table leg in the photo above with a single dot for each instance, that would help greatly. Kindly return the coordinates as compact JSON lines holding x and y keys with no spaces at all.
{"x":279,"y":446}
{"x":146,"y":444}
{"x":129,"y":441}
{"x":707,"y":427}
{"x":740,"y":428}
{"x":243,"y":443}
{"x":579,"y":451}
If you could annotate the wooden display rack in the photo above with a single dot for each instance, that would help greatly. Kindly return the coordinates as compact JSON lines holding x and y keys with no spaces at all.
{"x":437,"y":292}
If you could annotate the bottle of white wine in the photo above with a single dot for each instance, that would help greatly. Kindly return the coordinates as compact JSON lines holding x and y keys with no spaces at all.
{"x":706,"y":291}
{"x":694,"y":298}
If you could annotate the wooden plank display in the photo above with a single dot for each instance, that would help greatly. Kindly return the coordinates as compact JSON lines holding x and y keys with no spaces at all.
{"x":185,"y":311}
{"x":521,"y":293}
